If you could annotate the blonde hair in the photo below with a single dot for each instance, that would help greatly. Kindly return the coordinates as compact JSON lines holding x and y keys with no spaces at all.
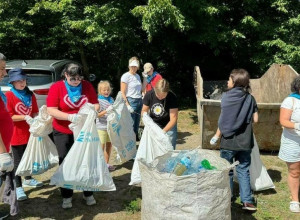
{"x":132,"y":59}
{"x":103,"y":84}
{"x":162,"y":86}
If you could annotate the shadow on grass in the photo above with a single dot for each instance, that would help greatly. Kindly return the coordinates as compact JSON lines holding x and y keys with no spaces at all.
{"x":181,"y":137}
{"x":128,"y":165}
{"x":107,"y":202}
{"x":275,"y":175}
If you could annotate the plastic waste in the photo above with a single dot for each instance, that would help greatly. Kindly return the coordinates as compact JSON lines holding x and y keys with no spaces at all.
{"x":185,"y":163}
{"x":206,"y":165}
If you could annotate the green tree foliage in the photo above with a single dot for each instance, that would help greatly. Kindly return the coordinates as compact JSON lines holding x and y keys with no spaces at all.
{"x":175,"y":35}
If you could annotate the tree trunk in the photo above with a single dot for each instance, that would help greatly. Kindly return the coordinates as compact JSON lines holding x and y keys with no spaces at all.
{"x":84,"y":62}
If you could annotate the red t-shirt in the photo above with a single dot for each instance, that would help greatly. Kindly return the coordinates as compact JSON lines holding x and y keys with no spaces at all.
{"x":6,"y":126}
{"x":58,"y":97}
{"x":153,"y":82}
{"x":16,"y":107}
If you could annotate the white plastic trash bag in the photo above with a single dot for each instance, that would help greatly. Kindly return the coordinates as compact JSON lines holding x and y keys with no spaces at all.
{"x":154,"y":143}
{"x":259,"y":177}
{"x":203,"y":195}
{"x":40,"y":154}
{"x":120,"y":130}
{"x":42,"y":124}
{"x":84,"y":167}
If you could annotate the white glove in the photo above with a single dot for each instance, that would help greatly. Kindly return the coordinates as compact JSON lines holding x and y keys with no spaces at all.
{"x":145,"y":75}
{"x":214,"y":140}
{"x":109,"y":108}
{"x":130,"y":109}
{"x":6,"y":162}
{"x":74,"y":118}
{"x":29,"y":119}
{"x":297,"y":126}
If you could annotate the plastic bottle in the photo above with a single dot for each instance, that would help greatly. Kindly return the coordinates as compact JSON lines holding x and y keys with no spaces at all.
{"x":182,"y":166}
{"x":206,"y":165}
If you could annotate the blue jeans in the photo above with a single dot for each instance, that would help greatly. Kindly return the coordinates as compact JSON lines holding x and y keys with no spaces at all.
{"x":173,"y":136}
{"x":242,"y":170}
{"x":137,"y":105}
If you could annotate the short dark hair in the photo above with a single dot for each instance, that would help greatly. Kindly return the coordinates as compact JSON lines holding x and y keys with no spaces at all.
{"x":295,"y":85}
{"x":2,"y":57}
{"x":72,"y":69}
{"x":241,"y":78}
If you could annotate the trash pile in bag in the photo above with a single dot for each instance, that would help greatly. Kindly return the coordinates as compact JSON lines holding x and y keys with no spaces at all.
{"x":41,"y":153}
{"x":185,"y":163}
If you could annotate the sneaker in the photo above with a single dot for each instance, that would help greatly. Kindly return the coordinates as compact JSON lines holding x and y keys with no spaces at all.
{"x":294,"y":206}
{"x":67,"y":203}
{"x":90,"y":200}
{"x":3,"y":215}
{"x":32,"y":183}
{"x":110,"y":167}
{"x":249,"y":206}
{"x":20,"y":194}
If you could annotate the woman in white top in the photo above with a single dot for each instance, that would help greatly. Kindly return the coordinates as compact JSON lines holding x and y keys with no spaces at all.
{"x":290,"y":140}
{"x":131,"y":88}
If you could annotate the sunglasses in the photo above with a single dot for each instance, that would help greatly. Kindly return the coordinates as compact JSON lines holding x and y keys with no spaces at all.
{"x":74,"y":79}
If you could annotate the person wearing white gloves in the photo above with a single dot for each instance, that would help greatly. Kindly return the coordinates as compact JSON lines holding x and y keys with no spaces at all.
{"x":290,"y":141}
{"x":238,"y":112}
{"x":131,"y":88}
{"x":6,"y":128}
{"x":161,"y":103}
{"x":22,"y":106}
{"x":6,"y":131}
{"x":65,"y":98}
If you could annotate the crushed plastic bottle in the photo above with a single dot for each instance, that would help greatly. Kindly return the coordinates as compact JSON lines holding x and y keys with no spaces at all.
{"x":206,"y":165}
{"x":185,"y":163}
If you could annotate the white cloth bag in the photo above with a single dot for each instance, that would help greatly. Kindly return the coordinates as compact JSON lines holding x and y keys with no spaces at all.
{"x":84,"y":167}
{"x":40,"y":154}
{"x":120,"y":130}
{"x":259,"y":177}
{"x":203,"y":195}
{"x":154,"y":143}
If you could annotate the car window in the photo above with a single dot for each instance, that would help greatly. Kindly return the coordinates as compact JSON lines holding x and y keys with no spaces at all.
{"x":34,"y":78}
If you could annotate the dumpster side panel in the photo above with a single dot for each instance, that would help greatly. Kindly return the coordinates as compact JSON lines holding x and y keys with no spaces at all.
{"x":268,"y":129}
{"x":211,"y":115}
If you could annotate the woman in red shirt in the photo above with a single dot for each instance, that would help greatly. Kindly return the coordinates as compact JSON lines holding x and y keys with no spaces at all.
{"x":21,"y":105}
{"x":6,"y":130}
{"x":64,"y":100}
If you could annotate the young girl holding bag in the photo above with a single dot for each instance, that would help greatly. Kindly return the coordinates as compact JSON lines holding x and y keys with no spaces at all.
{"x":22,"y":106}
{"x":105,"y":101}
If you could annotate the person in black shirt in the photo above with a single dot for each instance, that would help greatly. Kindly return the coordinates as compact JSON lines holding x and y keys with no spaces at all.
{"x":163,"y":109}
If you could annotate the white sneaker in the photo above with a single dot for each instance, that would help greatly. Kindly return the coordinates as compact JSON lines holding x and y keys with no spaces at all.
{"x":294,"y":206}
{"x":67,"y":203}
{"x":90,"y":200}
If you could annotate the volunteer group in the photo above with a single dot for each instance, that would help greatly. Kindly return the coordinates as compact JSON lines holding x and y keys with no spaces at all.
{"x":65,"y":98}
{"x":153,"y":96}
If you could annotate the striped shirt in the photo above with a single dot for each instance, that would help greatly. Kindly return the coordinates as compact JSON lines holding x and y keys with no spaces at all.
{"x":101,"y":122}
{"x":290,"y":139}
